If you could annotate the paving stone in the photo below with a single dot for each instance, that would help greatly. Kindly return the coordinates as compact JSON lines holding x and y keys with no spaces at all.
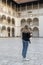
{"x":11,"y":50}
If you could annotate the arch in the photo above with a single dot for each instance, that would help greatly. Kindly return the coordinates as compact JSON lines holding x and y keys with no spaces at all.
{"x":3,"y":28}
{"x":8,"y":29}
{"x":13,"y":31}
{"x":29,"y":20}
{"x":8,"y":19}
{"x":13,"y":21}
{"x":22,"y":29}
{"x":3,"y":31}
{"x":36,"y":21}
{"x":3,"y":17}
{"x":23,"y":22}
{"x":30,"y":28}
{"x":35,"y":32}
{"x":35,"y":28}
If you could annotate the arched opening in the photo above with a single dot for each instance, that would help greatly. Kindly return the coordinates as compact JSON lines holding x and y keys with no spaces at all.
{"x":3,"y":31}
{"x":13,"y":34}
{"x":3,"y":17}
{"x":13,"y":21}
{"x":29,"y":21}
{"x":8,"y":29}
{"x":3,"y":28}
{"x":30,"y":29}
{"x":23,"y":22}
{"x":35,"y":32}
{"x":36,"y":21}
{"x":22,"y":29}
{"x":8,"y":19}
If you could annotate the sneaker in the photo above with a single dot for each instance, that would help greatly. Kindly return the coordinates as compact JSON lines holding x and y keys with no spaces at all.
{"x":25,"y":59}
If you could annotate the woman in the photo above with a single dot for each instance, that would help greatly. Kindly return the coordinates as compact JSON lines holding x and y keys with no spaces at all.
{"x":26,"y":40}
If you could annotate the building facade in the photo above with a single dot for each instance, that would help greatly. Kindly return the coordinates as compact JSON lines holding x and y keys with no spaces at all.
{"x":14,"y":17}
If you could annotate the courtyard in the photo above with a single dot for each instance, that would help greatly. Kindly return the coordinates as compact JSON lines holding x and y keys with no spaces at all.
{"x":11,"y":52}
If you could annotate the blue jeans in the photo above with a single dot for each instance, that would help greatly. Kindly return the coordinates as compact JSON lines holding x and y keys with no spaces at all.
{"x":25,"y":47}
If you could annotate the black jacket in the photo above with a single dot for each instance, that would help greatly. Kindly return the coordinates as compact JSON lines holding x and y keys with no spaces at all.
{"x":26,"y":36}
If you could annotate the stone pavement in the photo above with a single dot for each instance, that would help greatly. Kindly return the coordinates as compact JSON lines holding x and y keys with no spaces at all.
{"x":11,"y":50}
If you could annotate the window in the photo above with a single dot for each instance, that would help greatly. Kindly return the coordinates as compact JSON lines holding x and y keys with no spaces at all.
{"x":35,"y":5}
{"x":23,"y":7}
{"x":40,"y":5}
{"x":29,"y":6}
